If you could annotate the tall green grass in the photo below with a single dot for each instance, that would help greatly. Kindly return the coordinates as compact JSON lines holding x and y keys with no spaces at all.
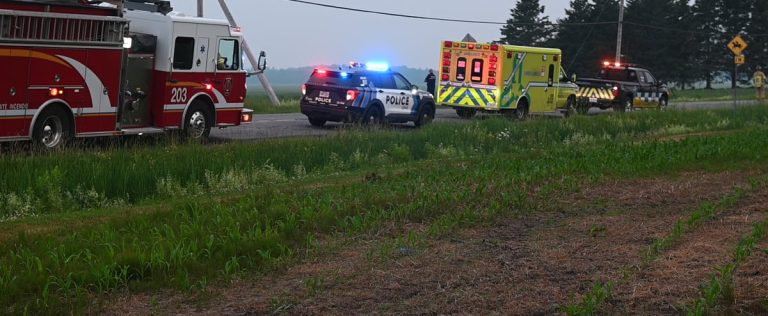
{"x":449,"y":174}
{"x":76,"y":180}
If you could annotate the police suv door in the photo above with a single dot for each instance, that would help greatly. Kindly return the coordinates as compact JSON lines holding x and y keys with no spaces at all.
{"x":393,"y":99}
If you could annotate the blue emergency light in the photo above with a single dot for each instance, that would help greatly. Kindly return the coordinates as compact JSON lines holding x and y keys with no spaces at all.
{"x":377,"y":66}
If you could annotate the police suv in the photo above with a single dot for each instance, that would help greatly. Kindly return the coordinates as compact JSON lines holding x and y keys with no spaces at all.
{"x":367,"y":94}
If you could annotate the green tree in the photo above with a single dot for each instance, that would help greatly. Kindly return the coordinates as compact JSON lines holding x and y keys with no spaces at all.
{"x":710,"y":43}
{"x":757,"y":54}
{"x":527,"y":26}
{"x":585,"y":46}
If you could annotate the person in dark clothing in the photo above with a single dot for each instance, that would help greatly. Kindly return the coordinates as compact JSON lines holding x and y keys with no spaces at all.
{"x":430,"y":80}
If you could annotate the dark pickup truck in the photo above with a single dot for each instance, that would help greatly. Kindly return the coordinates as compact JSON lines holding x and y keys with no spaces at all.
{"x":623,"y":88}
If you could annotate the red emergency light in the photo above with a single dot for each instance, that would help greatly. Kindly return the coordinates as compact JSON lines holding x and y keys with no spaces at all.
{"x":448,"y":44}
{"x":208,"y":86}
{"x":492,"y":81}
{"x":446,"y":77}
{"x":321,"y":71}
{"x":494,"y":47}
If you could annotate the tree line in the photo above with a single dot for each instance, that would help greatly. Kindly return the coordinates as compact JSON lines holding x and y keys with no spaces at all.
{"x":680,"y":41}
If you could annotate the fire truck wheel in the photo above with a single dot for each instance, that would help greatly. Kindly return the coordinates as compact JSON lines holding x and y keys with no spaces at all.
{"x":466,"y":113}
{"x":373,"y":116}
{"x":53,"y":128}
{"x":316,"y":122}
{"x":426,"y":115}
{"x":197,"y":123}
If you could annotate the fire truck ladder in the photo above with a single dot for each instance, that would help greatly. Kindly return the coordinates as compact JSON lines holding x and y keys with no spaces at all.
{"x":70,"y":29}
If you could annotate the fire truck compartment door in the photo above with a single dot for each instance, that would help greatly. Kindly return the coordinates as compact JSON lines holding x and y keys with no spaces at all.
{"x":13,"y":89}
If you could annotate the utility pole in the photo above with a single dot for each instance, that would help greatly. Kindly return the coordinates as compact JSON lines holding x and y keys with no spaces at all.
{"x":620,"y":32}
{"x":248,"y":52}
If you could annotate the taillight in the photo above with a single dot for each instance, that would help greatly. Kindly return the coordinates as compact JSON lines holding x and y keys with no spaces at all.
{"x":352,"y":94}
{"x":448,"y":44}
{"x":447,"y":55}
{"x":616,"y":91}
{"x":495,"y":47}
{"x":446,"y":62}
{"x":492,"y":81}
{"x":491,"y":74}
{"x":492,"y":66}
{"x":446,"y":77}
{"x":494,"y":59}
{"x":304,"y":89}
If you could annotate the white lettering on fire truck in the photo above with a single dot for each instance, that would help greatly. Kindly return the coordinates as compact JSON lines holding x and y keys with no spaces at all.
{"x":14,"y":106}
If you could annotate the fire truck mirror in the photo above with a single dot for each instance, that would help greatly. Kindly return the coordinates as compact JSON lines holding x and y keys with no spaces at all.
{"x":262,"y":63}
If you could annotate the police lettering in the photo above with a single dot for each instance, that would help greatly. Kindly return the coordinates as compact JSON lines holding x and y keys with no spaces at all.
{"x":398,"y":100}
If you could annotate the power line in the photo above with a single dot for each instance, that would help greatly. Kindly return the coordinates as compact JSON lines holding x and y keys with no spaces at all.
{"x":418,"y":17}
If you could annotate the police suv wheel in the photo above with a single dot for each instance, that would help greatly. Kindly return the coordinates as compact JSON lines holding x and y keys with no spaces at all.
{"x":197,"y":122}
{"x":373,"y":116}
{"x":316,"y":122}
{"x":52,"y":129}
{"x":426,"y":116}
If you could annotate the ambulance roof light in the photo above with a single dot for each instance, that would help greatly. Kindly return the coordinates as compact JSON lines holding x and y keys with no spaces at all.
{"x":377,"y":66}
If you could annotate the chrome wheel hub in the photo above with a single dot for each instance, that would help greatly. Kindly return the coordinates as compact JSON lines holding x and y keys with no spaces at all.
{"x":196,"y":125}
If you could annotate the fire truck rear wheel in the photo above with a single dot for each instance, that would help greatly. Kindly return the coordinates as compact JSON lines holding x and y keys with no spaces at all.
{"x":198,"y":121}
{"x":53,"y":128}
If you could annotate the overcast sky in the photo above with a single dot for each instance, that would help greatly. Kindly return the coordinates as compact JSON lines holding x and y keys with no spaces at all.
{"x":296,"y":34}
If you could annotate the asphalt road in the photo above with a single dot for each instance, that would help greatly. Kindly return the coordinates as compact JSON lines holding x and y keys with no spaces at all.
{"x":270,"y":126}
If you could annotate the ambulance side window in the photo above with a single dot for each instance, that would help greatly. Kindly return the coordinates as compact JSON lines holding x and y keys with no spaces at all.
{"x":461,"y":69}
{"x":183,"y":53}
{"x":478,"y":65}
{"x":551,"y":80}
{"x":229,"y":55}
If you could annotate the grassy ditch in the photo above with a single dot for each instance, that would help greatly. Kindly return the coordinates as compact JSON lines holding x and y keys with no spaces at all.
{"x":105,"y":178}
{"x":260,"y":103}
{"x":712,"y":95}
{"x":272,"y":213}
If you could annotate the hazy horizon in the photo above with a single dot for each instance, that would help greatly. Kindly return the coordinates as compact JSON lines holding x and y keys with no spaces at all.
{"x":299,"y":35}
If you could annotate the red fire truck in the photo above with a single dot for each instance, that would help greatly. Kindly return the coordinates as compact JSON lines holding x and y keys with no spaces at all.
{"x":77,"y":69}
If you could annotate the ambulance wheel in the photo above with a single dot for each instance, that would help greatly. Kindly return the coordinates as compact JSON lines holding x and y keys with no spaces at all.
{"x":663,"y":103}
{"x":316,"y":122}
{"x":521,"y":113}
{"x":571,"y":107}
{"x":198,"y":121}
{"x":466,"y":113}
{"x":53,"y":129}
{"x":373,"y":116}
{"x":426,"y":115}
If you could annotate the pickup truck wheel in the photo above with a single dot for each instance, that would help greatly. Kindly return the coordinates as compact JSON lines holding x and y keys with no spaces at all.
{"x":663,"y":103}
{"x":466,"y":113}
{"x":582,"y":109}
{"x":625,"y":106}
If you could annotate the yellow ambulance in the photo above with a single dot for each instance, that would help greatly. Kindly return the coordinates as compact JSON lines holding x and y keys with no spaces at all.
{"x":507,"y":79}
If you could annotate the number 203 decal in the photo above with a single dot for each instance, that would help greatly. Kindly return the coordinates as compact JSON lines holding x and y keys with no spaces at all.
{"x":179,"y":95}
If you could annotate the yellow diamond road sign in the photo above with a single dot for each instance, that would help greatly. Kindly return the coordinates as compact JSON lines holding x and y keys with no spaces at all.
{"x":737,"y":45}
